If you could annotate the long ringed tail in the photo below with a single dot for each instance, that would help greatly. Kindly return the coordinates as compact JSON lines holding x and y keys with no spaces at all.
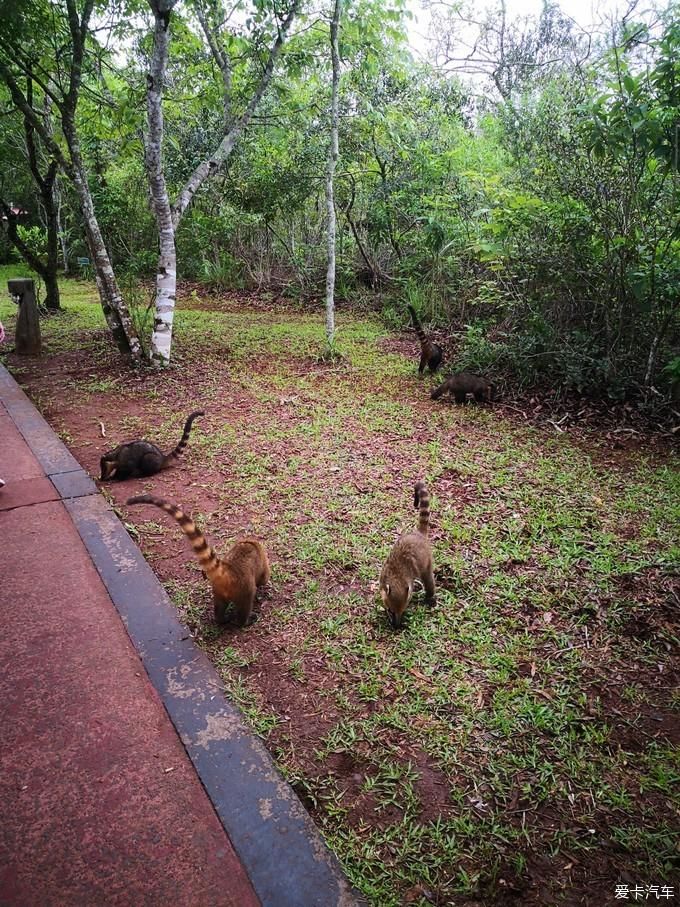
{"x":209,"y":561}
{"x":179,"y":450}
{"x":417,"y":325}
{"x":421,"y":500}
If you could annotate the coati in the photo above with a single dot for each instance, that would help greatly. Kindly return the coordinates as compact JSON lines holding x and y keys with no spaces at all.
{"x":235,"y":577}
{"x":136,"y":459}
{"x":431,"y":354}
{"x":410,"y":559}
{"x":462,"y":384}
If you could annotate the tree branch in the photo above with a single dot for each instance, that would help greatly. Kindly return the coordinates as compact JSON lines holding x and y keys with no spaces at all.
{"x":222,"y":60}
{"x":30,"y":114}
{"x":29,"y":257}
{"x":209,"y":167}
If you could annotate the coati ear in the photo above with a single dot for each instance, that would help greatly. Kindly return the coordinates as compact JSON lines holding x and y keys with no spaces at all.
{"x":387,"y":588}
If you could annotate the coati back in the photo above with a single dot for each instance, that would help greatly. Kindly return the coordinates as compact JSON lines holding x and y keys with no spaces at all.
{"x":235,"y":577}
{"x":431,"y":354}
{"x":410,"y":559}
{"x":462,"y":384}
{"x":136,"y":459}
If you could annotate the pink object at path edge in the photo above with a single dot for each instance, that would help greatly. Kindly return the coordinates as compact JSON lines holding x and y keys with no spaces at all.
{"x":2,"y":338}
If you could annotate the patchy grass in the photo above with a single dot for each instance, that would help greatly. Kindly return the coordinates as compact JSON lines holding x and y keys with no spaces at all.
{"x":516,"y":744}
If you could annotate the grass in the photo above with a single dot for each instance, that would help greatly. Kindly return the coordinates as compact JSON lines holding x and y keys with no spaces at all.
{"x":512,"y":731}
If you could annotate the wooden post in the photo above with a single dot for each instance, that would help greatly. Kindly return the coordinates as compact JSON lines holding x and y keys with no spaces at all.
{"x":27,"y":335}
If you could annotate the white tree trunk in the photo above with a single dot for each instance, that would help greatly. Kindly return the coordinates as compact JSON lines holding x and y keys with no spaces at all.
{"x":166,"y":276}
{"x":168,"y":217}
{"x":330,"y":173}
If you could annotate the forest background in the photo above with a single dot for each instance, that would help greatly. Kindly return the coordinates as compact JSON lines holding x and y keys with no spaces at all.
{"x":515,"y":180}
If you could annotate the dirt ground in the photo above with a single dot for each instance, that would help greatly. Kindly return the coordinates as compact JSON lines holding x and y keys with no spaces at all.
{"x":526,"y":731}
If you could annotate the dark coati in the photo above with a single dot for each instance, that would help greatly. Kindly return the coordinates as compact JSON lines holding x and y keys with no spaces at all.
{"x":462,"y":384}
{"x":136,"y":459}
{"x":431,"y":354}
{"x":235,"y":577}
{"x":410,"y":559}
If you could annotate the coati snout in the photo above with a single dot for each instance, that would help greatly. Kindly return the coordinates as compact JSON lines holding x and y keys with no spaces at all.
{"x":409,"y":560}
{"x":463,"y":384}
{"x":138,"y":459}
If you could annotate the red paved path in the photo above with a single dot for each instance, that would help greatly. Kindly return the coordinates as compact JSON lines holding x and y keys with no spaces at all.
{"x":99,"y":803}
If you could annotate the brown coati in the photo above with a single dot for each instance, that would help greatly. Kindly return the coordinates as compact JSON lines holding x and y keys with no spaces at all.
{"x":431,"y":354}
{"x":462,"y":384}
{"x":136,"y":459}
{"x":410,"y":559}
{"x":235,"y":577}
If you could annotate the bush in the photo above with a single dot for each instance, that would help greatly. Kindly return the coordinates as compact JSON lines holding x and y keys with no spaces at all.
{"x":224,"y":274}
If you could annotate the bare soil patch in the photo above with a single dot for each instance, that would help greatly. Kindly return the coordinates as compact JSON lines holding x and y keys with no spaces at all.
{"x":478,"y":727}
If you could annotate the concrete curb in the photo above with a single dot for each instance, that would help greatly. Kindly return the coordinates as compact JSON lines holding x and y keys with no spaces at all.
{"x":287,"y":861}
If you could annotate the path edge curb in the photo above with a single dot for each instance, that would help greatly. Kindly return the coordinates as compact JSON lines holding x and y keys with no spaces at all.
{"x":284,"y":854}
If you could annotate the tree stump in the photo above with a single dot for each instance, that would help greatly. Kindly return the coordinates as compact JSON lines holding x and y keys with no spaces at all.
{"x":27,"y":335}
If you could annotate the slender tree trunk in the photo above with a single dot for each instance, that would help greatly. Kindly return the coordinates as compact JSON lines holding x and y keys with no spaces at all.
{"x":656,"y":344}
{"x":113,"y":305}
{"x":330,"y":173}
{"x":55,"y":194}
{"x":166,"y":276}
{"x":52,"y":300}
{"x":169,"y":216}
{"x":372,"y":269}
{"x":31,"y":259}
{"x":62,"y":234}
{"x":45,"y":184}
{"x":47,"y":271}
{"x":51,"y":224}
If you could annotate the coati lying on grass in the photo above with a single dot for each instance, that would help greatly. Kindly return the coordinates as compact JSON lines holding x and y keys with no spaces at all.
{"x":461,"y":385}
{"x":431,"y":354}
{"x":235,"y":577}
{"x":136,"y":459}
{"x":409,"y":560}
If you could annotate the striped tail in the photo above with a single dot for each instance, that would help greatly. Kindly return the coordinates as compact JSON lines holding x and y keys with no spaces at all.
{"x":421,"y":499}
{"x":417,"y":325}
{"x":209,"y":561}
{"x":179,"y":450}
